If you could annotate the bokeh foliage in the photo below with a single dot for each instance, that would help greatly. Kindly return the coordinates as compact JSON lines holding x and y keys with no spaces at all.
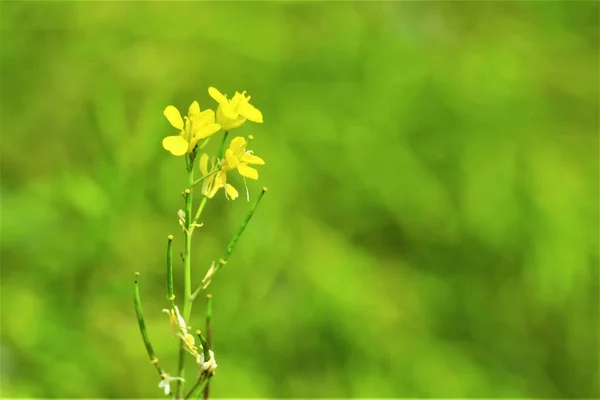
{"x":431,"y":226}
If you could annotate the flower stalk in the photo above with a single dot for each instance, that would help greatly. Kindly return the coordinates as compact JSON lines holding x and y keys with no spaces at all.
{"x":187,"y":266}
{"x":194,"y":132}
{"x":170,"y":291}
{"x":209,"y":341}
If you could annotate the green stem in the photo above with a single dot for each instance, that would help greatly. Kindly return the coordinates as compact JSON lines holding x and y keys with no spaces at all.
{"x":204,"y":385}
{"x":187,"y":279}
{"x":187,"y":265}
{"x":200,"y":384}
{"x":209,"y":339}
{"x":204,"y":143}
{"x":142,"y":324}
{"x":209,"y":336}
{"x":197,"y":181}
{"x":222,"y":147}
{"x":170,"y":291}
{"x":187,"y":163}
{"x":180,"y":384}
{"x":204,"y":343}
{"x":223,"y":260}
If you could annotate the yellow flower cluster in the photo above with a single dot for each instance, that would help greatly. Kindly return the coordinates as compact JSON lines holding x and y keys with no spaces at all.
{"x":198,"y":125}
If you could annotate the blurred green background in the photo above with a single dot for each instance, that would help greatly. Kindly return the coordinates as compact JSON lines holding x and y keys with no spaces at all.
{"x":431,"y":225}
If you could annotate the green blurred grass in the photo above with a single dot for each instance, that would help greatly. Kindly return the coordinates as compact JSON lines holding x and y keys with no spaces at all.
{"x":431,"y":225}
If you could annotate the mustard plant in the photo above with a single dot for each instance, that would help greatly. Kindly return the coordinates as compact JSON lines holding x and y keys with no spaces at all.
{"x":196,"y":129}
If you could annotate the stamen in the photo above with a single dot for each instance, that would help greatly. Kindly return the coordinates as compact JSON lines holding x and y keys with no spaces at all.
{"x":247,"y":191}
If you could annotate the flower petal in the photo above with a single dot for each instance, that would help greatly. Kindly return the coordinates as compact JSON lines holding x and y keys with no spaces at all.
{"x":194,"y":109}
{"x":215,"y":188}
{"x":164,"y":384}
{"x":247,"y":171}
{"x":217,"y":96}
{"x":204,"y":118}
{"x":228,"y":112}
{"x":177,"y":145}
{"x":231,"y":160}
{"x":229,"y":124}
{"x":174,"y":117}
{"x":206,"y":131}
{"x":221,"y":179}
{"x":237,"y":99}
{"x":252,"y":159}
{"x":208,"y":185}
{"x":238,"y":144}
{"x":231,"y":192}
{"x":250,"y":112}
{"x":204,"y":164}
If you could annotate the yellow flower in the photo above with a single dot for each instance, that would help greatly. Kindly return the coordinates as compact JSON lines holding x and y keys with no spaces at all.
{"x":197,"y":125}
{"x":233,"y":113}
{"x":213,"y":183}
{"x":236,"y":157}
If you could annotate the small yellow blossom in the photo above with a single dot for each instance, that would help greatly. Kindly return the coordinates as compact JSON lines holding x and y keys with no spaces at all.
{"x":195,"y":126}
{"x":234,"y":112}
{"x":236,"y":157}
{"x":213,"y":183}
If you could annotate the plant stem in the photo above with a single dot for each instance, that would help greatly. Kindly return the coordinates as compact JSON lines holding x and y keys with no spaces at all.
{"x":209,"y":333}
{"x":222,"y":146}
{"x":204,"y":343}
{"x":197,"y":181}
{"x":187,"y":265}
{"x":201,"y":145}
{"x":209,"y":337}
{"x":142,"y":324}
{"x":170,"y":292}
{"x":204,"y":383}
{"x":187,"y":279}
{"x":200,"y":383}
